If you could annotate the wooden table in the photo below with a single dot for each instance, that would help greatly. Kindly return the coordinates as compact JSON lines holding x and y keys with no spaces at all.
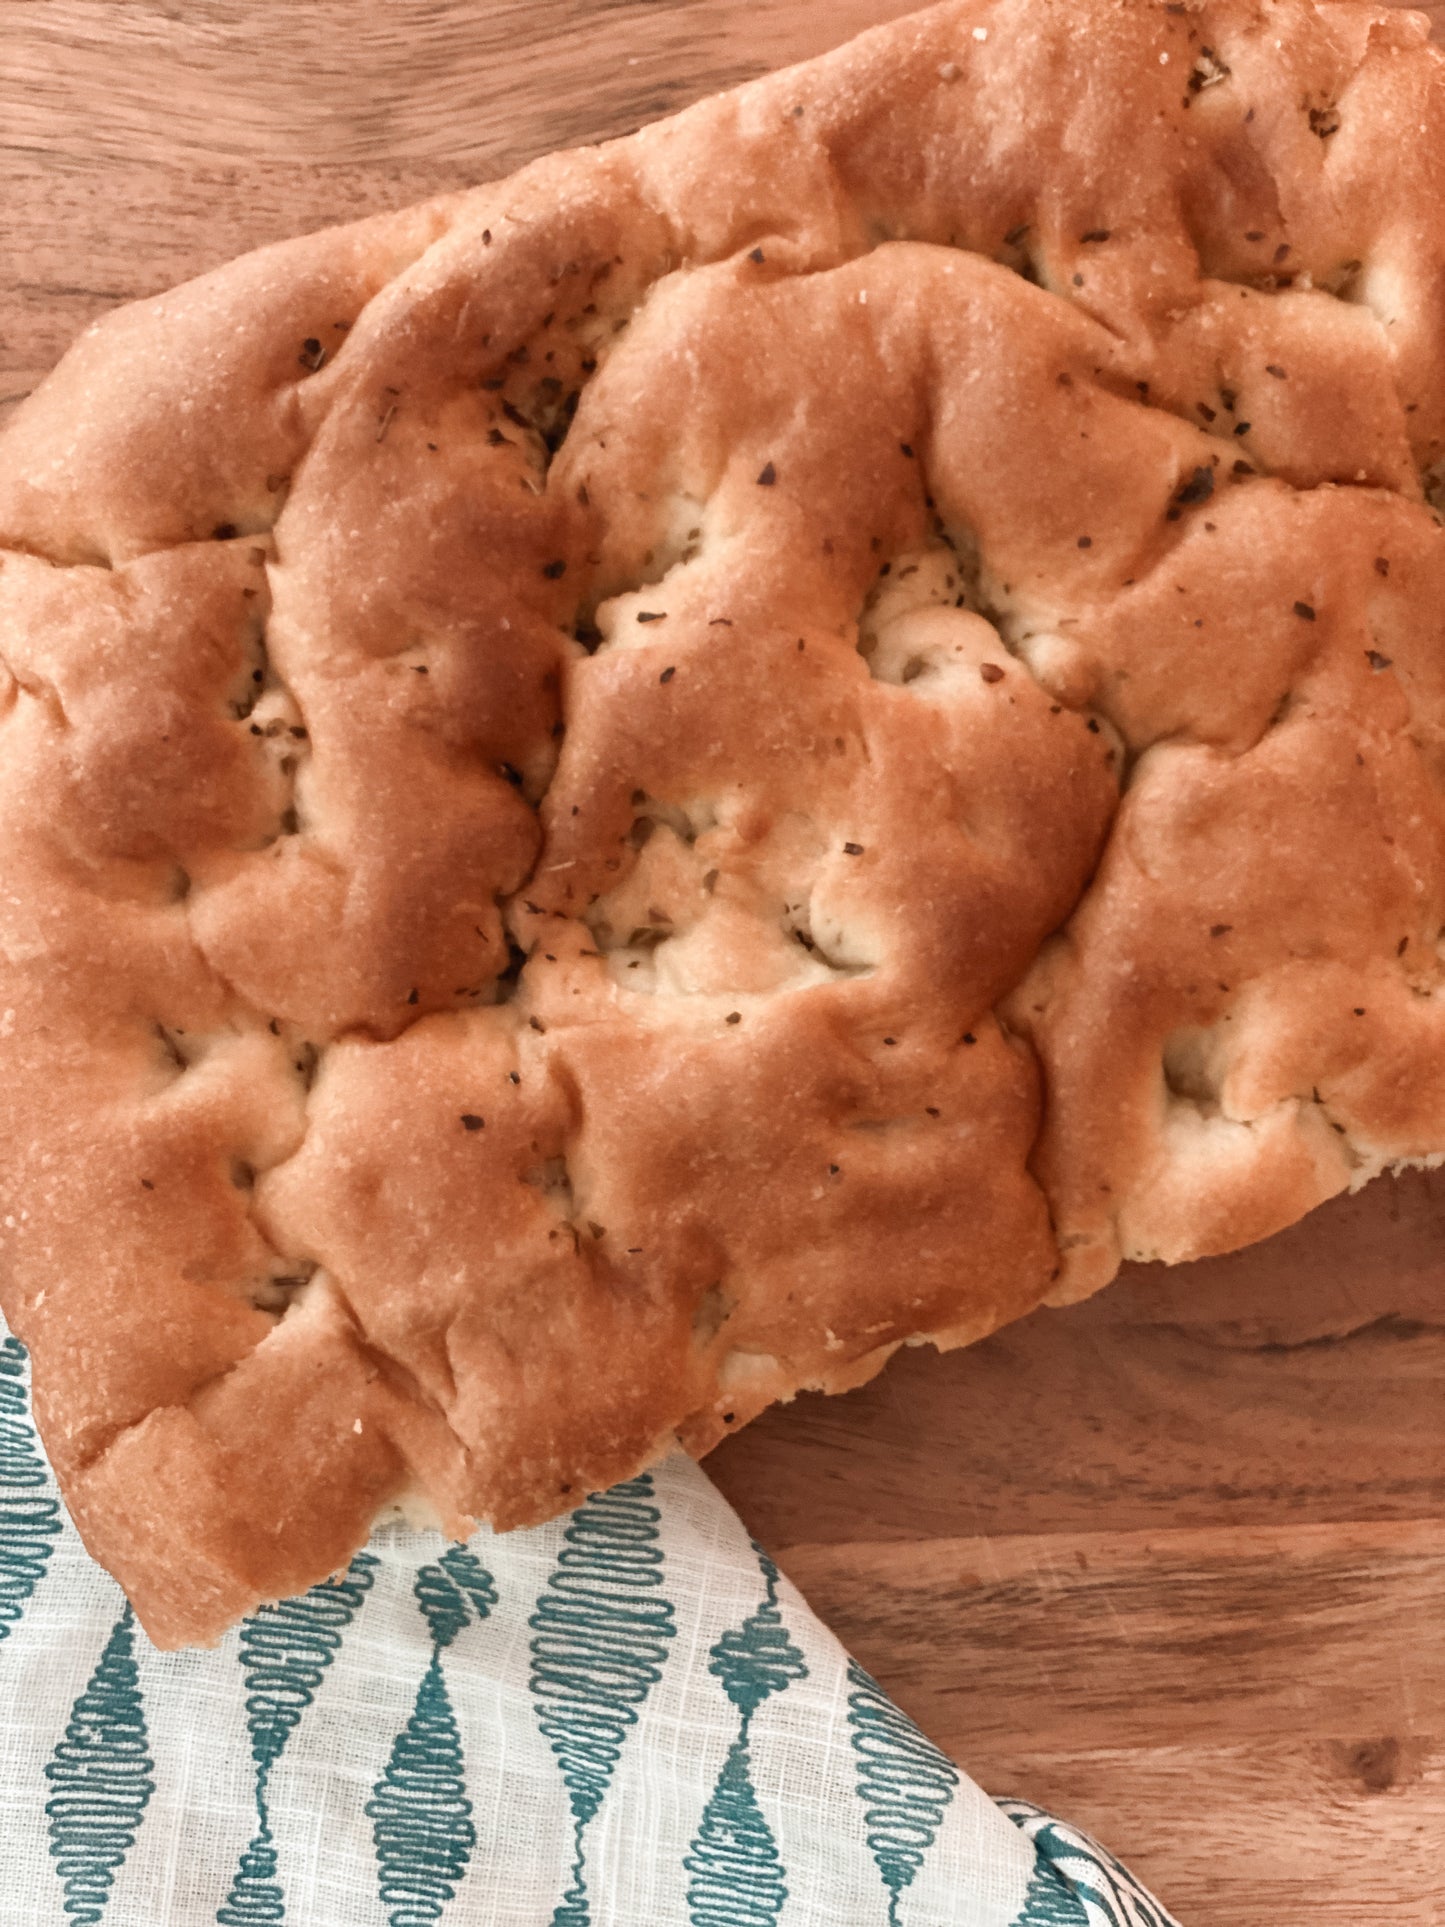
{"x":1172,"y":1561}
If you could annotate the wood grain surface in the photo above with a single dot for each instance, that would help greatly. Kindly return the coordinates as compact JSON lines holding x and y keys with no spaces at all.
{"x":1172,"y":1561}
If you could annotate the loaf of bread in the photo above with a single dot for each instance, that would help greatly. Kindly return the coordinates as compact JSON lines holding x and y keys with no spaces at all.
{"x":625,"y":790}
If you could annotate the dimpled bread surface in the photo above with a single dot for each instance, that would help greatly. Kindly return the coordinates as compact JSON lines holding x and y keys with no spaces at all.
{"x":627,"y":789}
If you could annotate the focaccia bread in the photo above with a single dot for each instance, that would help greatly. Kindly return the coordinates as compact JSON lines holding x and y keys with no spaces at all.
{"x":623,"y":791}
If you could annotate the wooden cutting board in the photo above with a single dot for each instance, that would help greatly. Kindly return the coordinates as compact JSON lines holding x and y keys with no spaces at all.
{"x":1172,"y":1561}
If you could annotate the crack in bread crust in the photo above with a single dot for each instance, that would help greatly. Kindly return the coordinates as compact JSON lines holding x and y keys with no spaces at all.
{"x":626,"y":790}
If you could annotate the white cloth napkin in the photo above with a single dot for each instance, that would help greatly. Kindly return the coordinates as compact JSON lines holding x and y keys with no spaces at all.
{"x":626,"y":1718}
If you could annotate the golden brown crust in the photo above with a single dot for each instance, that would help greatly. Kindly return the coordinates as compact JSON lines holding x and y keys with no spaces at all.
{"x":626,"y":790}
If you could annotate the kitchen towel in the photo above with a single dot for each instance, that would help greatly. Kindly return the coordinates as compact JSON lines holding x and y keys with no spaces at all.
{"x":626,"y":1718}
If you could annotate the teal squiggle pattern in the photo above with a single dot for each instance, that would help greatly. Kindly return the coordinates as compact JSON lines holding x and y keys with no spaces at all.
{"x":285,"y":1650}
{"x":737,"y":1872}
{"x":600,"y":1638}
{"x":1100,"y":1889}
{"x":101,"y":1776}
{"x":30,"y":1521}
{"x":1048,"y":1902}
{"x":420,"y":1814}
{"x":904,"y":1782}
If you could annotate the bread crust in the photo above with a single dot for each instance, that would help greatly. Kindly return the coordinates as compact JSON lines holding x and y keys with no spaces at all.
{"x":625,"y":790}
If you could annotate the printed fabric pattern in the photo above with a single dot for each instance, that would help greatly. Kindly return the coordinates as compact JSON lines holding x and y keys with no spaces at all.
{"x":624,"y":1716}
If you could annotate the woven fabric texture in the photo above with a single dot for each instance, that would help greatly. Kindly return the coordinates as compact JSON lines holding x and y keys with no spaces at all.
{"x":624,"y":1716}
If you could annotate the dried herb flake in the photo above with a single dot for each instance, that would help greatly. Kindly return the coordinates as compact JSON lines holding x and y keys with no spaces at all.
{"x":1198,"y":488}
